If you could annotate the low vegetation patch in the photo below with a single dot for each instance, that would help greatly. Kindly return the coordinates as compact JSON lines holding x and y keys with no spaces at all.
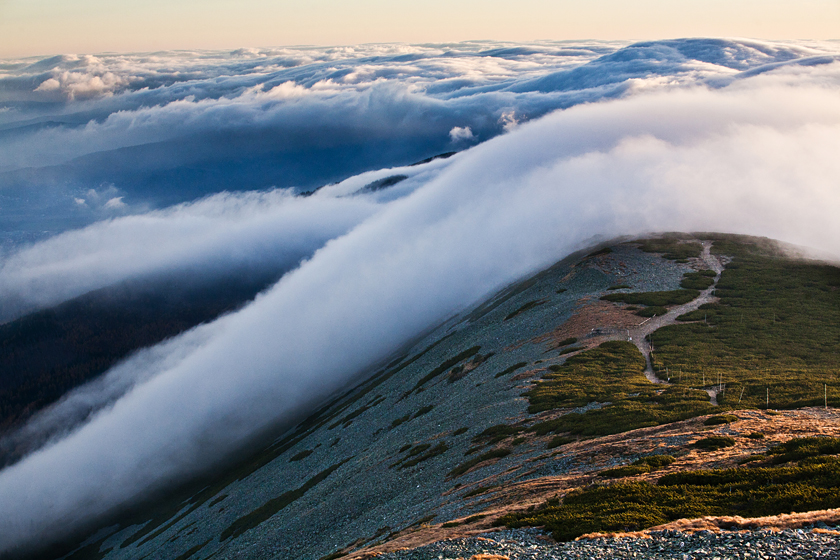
{"x":744,"y":491}
{"x":654,"y":299}
{"x":698,"y":280}
{"x":672,"y":248}
{"x":467,"y":521}
{"x":400,"y":420}
{"x":640,"y":466}
{"x":720,"y":419}
{"x":302,"y":455}
{"x":655,"y":311}
{"x":419,"y":453}
{"x":439,"y":449}
{"x":603,"y":374}
{"x":423,"y":410}
{"x":526,"y":307}
{"x":612,"y":373}
{"x":598,"y":253}
{"x":771,"y":337}
{"x":464,"y":467}
{"x":713,"y":443}
{"x":348,"y":419}
{"x":557,"y":441}
{"x":497,"y":433}
{"x":480,"y":490}
{"x":459,"y":372}
{"x":445,"y":365}
{"x":804,"y":448}
{"x":512,"y":368}
{"x":267,"y":510}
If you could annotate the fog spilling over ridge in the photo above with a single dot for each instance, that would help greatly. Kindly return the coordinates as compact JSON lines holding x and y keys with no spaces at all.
{"x":671,"y":145}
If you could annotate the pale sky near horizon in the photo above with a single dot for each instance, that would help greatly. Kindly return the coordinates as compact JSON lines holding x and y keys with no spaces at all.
{"x":46,"y":27}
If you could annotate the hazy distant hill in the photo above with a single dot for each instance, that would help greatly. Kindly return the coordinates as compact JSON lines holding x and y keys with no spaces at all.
{"x":639,"y":363}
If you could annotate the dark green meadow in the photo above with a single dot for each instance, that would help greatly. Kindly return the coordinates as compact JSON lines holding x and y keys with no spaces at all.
{"x":775,"y":331}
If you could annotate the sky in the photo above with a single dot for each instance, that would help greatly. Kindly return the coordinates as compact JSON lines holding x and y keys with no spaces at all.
{"x":43,"y":27}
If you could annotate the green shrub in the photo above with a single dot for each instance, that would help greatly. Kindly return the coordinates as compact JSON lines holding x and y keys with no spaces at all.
{"x":651,"y":311}
{"x":656,"y":461}
{"x":400,"y":420}
{"x":557,"y":441}
{"x":720,"y":419}
{"x":439,"y":449}
{"x":713,"y":443}
{"x":604,"y":251}
{"x":422,"y":411}
{"x":672,"y":249}
{"x":469,"y":353}
{"x":640,"y":466}
{"x":697,"y":281}
{"x":464,"y":467}
{"x":801,"y":448}
{"x":610,"y":373}
{"x":271,"y":507}
{"x":497,"y":433}
{"x":749,"y":492}
{"x":526,"y":307}
{"x":673,"y":297}
{"x":480,"y":490}
{"x":629,"y":470}
{"x":302,"y":455}
{"x":512,"y":368}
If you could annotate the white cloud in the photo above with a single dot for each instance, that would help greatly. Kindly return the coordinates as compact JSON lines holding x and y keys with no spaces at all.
{"x":461,"y":134}
{"x":344,"y":93}
{"x":223,"y":232}
{"x":758,"y":159}
{"x":115,"y":203}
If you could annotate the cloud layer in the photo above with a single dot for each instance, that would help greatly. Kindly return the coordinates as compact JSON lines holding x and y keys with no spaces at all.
{"x":163,"y":128}
{"x":756,"y":156}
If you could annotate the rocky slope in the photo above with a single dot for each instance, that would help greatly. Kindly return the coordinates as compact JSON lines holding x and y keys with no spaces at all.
{"x":525,"y":397}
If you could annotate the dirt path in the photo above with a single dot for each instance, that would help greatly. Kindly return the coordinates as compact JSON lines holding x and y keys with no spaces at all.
{"x":640,"y":335}
{"x":596,"y":322}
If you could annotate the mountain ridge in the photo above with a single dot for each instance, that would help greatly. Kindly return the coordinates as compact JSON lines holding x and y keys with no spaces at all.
{"x":441,"y":432}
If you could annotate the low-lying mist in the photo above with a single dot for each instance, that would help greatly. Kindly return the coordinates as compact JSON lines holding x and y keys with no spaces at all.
{"x":757,"y":157}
